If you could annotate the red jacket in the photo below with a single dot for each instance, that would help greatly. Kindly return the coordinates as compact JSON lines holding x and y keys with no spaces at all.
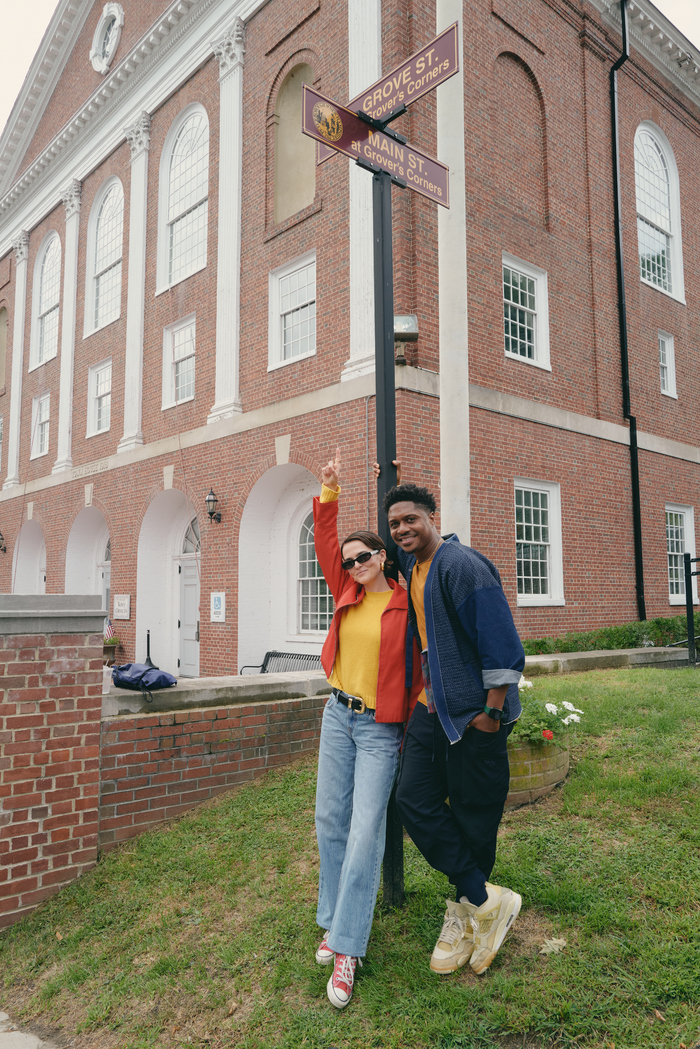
{"x":395,"y":701}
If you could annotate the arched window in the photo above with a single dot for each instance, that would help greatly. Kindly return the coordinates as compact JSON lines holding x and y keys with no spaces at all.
{"x":658,"y":212}
{"x":315,"y":601}
{"x":47,"y":287}
{"x":105,"y":232}
{"x":295,"y":153}
{"x":192,"y":543}
{"x":3,"y":346}
{"x":184,"y":192}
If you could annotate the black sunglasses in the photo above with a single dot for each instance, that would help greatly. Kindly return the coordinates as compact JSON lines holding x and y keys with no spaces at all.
{"x":361,"y":559}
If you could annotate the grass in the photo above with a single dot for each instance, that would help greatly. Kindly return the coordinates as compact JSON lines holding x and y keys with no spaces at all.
{"x":650,"y":632}
{"x":203,"y":932}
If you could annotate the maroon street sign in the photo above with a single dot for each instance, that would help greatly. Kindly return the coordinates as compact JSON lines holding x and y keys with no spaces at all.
{"x":343,"y":131}
{"x":416,"y":76}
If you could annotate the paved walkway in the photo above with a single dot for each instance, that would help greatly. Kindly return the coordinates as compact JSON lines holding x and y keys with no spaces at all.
{"x":12,"y":1038}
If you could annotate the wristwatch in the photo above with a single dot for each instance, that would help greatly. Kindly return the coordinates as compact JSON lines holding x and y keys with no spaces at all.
{"x":493,"y":712}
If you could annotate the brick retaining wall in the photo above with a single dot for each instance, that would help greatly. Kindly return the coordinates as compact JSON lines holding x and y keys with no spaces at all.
{"x":49,"y":764}
{"x":156,"y":766}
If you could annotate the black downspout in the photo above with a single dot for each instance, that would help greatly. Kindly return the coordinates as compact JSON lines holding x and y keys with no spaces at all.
{"x":622,"y":312}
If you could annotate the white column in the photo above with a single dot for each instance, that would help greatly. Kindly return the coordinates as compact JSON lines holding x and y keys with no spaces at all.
{"x":364,"y":67}
{"x":139,"y":138}
{"x":71,"y":200}
{"x":20,"y":243}
{"x":229,"y":52}
{"x":455,"y":492}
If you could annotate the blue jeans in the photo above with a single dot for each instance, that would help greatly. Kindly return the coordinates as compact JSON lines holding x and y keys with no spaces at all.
{"x":357,"y":765}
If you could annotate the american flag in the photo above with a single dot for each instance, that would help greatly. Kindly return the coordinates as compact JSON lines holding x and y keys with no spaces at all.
{"x":109,"y":630}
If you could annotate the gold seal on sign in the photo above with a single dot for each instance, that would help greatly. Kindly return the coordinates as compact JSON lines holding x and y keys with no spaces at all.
{"x":327,"y":120}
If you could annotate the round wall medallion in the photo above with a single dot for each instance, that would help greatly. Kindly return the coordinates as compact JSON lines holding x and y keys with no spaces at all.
{"x":106,"y":39}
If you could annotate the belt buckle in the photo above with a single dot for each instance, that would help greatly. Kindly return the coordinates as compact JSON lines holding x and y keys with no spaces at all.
{"x":362,"y":707}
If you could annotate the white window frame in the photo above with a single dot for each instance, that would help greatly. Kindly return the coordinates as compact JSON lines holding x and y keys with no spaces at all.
{"x":89,"y":326}
{"x":275,"y":339}
{"x":163,"y":250}
{"x":294,"y":633}
{"x":689,"y":528}
{"x":168,"y":397}
{"x":93,"y":372}
{"x":556,"y":561}
{"x":541,"y":340}
{"x":670,"y":365}
{"x":36,"y":402}
{"x":101,"y":62}
{"x":675,"y":242}
{"x":34,"y":361}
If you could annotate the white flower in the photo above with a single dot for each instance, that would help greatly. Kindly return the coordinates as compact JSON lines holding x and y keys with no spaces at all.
{"x":570,"y":706}
{"x":570,"y":717}
{"x":551,"y":708}
{"x":523,"y":683}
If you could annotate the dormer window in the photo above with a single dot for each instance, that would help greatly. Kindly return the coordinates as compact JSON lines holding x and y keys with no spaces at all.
{"x":106,"y":39}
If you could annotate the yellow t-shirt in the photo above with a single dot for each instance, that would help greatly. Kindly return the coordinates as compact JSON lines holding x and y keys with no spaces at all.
{"x":356,"y":666}
{"x":418,"y":578}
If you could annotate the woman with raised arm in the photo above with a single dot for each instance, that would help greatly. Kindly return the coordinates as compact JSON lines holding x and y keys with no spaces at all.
{"x":373,"y":667}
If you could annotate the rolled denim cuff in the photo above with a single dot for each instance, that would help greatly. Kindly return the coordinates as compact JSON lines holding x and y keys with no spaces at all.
{"x":498,"y":678}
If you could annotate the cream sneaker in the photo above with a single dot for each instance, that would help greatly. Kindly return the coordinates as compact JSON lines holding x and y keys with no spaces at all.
{"x":456,"y":940}
{"x":491,"y":922}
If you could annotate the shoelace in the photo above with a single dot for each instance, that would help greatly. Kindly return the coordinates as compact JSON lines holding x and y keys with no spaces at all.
{"x":345,"y":969}
{"x":452,"y":929}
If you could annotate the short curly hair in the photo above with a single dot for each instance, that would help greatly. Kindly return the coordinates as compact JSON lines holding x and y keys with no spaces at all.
{"x":409,"y":493}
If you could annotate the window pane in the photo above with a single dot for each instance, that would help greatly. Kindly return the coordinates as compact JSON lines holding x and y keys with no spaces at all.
{"x":532,"y":541}
{"x":663,"y":365}
{"x":654,"y":255}
{"x":519,"y":323}
{"x":188,"y":243}
{"x":49,"y":290}
{"x":675,"y":546}
{"x":315,"y":599}
{"x":183,"y":350}
{"x":189,"y":166}
{"x":652,"y":181}
{"x":109,"y":230}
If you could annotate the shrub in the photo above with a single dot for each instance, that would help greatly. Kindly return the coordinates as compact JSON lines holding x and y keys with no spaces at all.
{"x":651,"y":633}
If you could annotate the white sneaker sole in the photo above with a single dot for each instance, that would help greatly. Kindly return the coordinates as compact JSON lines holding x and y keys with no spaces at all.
{"x":333,"y":998}
{"x":443,"y":966}
{"x":504,"y":926}
{"x":325,"y":959}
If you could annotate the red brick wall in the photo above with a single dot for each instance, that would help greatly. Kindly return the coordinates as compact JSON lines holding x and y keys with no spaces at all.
{"x":155,"y":766}
{"x":49,"y":765}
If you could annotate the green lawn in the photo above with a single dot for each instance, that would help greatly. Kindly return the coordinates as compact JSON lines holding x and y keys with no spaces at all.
{"x":203,"y":932}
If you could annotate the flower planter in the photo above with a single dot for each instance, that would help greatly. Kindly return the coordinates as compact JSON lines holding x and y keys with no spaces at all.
{"x":534,"y":771}
{"x":109,"y":652}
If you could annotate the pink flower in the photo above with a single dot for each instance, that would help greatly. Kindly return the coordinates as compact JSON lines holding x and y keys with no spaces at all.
{"x":547,"y":733}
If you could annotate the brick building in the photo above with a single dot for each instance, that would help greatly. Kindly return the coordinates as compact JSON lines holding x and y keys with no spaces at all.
{"x":186,"y":304}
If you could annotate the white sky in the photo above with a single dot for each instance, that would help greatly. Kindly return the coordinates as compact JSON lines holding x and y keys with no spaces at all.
{"x":24,"y":24}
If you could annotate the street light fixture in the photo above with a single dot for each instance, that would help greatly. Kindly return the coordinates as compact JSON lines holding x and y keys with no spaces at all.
{"x":211,"y":503}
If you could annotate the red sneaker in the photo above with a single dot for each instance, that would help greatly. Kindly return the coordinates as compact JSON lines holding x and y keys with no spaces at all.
{"x":340,"y":984}
{"x":324,"y":955}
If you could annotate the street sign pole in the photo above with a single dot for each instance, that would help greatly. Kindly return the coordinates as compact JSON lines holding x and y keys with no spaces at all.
{"x":366,"y":139}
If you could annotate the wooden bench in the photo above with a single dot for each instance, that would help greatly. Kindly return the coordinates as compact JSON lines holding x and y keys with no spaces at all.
{"x":281,"y":662}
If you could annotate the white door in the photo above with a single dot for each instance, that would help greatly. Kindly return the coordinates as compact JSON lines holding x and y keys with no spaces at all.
{"x":189,"y":619}
{"x":105,"y":573}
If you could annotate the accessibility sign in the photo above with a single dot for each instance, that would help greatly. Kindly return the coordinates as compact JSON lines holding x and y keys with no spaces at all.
{"x":429,"y":67}
{"x":343,"y":131}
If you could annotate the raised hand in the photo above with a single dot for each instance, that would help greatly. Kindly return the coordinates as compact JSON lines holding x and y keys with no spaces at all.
{"x":330,"y":474}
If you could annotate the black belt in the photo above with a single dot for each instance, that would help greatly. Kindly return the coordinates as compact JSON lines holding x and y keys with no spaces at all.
{"x":353,"y":702}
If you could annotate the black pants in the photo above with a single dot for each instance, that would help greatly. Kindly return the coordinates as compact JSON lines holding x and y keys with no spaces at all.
{"x":458,"y":839}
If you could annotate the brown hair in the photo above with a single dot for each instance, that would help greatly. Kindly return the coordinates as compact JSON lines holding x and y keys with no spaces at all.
{"x":370,"y":539}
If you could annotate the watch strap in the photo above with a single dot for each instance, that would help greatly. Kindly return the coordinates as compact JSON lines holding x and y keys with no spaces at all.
{"x":493,"y":712}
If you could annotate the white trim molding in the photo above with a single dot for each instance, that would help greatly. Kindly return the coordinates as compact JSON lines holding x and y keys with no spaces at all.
{"x":104,"y":46}
{"x":540,"y":358}
{"x":677,"y":290}
{"x":667,"y":361}
{"x":688,"y":515}
{"x":89,"y":325}
{"x":20,"y":242}
{"x":37,"y":285}
{"x":275,"y":336}
{"x":71,"y":200}
{"x":551,"y":538}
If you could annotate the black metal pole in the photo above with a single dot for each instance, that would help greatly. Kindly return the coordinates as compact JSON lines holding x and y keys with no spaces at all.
{"x":689,"y":609}
{"x":622,"y":321}
{"x":392,"y":884}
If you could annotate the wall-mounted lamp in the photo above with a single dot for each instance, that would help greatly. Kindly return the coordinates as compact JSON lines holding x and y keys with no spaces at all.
{"x":3,"y":548}
{"x":212,"y":502}
{"x":405,"y":330}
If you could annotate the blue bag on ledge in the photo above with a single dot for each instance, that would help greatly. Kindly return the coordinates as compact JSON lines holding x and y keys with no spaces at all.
{"x":141,"y":678}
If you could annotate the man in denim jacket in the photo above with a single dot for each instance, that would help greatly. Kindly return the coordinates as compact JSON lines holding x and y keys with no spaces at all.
{"x":455,"y":745}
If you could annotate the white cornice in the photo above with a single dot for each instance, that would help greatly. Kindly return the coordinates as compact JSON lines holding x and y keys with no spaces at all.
{"x":176,"y":45}
{"x":659,"y":41}
{"x":39,"y":84}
